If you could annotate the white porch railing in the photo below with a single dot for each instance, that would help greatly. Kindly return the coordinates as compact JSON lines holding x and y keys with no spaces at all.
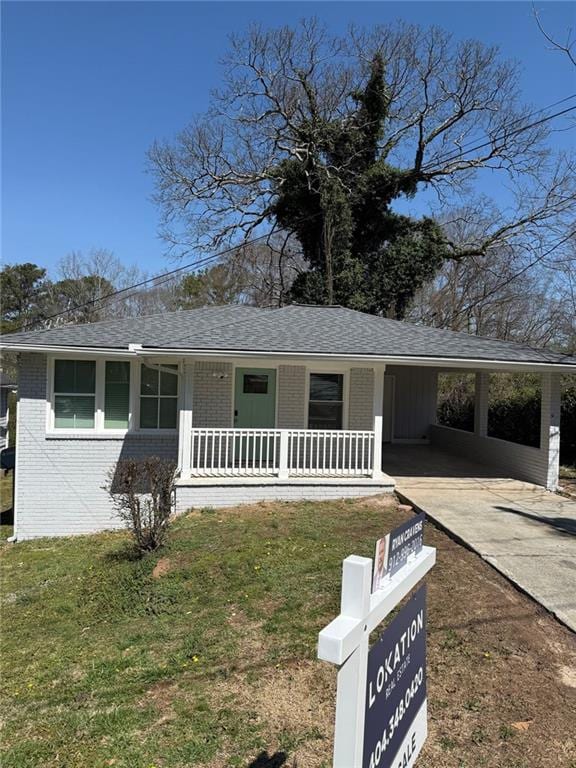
{"x":281,"y":453}
{"x":330,"y":452}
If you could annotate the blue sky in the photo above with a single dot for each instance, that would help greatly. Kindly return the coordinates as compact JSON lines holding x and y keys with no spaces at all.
{"x":87,"y":87}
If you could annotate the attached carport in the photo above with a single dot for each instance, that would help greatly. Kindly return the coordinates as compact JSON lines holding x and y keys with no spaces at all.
{"x":524,"y":531}
{"x":409,"y":418}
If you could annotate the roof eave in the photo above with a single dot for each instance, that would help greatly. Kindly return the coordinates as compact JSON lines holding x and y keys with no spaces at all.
{"x":136,"y":350}
{"x":76,"y":349}
{"x":429,"y":361}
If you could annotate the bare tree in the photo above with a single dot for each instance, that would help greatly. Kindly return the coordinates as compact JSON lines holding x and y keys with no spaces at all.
{"x":568,"y":47}
{"x":500,"y":293}
{"x":454,"y":114}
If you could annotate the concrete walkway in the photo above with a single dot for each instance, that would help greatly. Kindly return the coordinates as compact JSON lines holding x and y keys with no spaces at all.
{"x":525,"y":532}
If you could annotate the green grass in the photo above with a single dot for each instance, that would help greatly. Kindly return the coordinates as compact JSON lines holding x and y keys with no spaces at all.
{"x":105,"y":665}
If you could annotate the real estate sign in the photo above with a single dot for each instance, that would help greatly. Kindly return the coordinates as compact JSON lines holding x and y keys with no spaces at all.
{"x":395,"y":724}
{"x":381,"y":710}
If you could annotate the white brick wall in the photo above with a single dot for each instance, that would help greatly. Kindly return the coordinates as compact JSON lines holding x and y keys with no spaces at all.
{"x":59,"y":480}
{"x":291,"y":397}
{"x":521,"y":462}
{"x":361,"y":399}
{"x":213,"y":393}
{"x":188,"y":497}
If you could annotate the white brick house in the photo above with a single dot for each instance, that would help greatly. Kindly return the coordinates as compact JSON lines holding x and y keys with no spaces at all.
{"x":253,"y":404}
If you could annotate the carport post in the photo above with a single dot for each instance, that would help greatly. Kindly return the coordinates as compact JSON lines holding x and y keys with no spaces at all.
{"x":550,"y":427}
{"x":185,"y":422}
{"x":378,"y":416}
{"x":481,"y":403}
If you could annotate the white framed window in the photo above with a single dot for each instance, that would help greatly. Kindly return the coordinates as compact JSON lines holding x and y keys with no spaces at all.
{"x":74,"y":394}
{"x":117,"y":394}
{"x":110,"y":397}
{"x":326,"y":401}
{"x":89,"y":397}
{"x":158,"y":397}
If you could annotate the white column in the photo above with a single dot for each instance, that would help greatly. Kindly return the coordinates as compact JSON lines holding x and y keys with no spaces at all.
{"x":378,"y":414}
{"x":550,"y":428}
{"x":186,"y":419}
{"x":481,"y":403}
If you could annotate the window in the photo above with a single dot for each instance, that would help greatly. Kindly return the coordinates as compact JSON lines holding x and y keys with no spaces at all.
{"x":255,"y":384}
{"x":158,"y":397}
{"x":326,"y":401}
{"x":74,"y":394}
{"x":117,"y":395}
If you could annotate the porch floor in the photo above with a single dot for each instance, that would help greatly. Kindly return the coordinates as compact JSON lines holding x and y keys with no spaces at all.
{"x":522,"y":530}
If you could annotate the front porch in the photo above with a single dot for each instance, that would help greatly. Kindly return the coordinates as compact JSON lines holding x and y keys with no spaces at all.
{"x":278,"y":453}
{"x":295,"y":424}
{"x":281,"y":424}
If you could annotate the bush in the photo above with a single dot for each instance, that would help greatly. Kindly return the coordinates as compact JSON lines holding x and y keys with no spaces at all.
{"x":456,"y":393}
{"x":142,"y":491}
{"x":516,"y":418}
{"x":568,"y":423}
{"x":514,"y":412}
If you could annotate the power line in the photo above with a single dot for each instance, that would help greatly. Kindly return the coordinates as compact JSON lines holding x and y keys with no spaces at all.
{"x":157,"y":280}
{"x":523,"y":118}
{"x":446,"y":159}
{"x":165,"y":276}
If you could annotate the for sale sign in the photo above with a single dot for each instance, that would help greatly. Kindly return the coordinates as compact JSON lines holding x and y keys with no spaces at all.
{"x":395,"y":724}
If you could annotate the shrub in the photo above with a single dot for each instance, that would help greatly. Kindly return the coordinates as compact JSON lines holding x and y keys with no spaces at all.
{"x":514,"y":412}
{"x":568,"y":425}
{"x":456,"y":394}
{"x":142,"y":491}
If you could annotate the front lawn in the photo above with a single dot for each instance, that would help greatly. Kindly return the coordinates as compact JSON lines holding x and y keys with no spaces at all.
{"x":204,"y":655}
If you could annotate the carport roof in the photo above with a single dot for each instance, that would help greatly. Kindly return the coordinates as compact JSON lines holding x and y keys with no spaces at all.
{"x":295,"y":329}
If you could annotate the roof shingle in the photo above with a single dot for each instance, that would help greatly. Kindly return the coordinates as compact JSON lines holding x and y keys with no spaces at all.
{"x":294,"y":329}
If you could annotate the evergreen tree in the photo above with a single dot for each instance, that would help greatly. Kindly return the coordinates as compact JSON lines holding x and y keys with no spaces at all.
{"x":337,"y":199}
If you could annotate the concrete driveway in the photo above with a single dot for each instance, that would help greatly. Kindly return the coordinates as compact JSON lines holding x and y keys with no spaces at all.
{"x":525,"y":532}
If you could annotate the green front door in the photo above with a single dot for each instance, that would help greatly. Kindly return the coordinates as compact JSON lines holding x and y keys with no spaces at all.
{"x":255,"y":398}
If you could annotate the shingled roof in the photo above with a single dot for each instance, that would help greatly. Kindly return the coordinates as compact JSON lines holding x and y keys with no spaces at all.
{"x":294,"y":329}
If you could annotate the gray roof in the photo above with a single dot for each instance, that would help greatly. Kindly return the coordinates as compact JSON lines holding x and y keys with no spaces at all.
{"x":297,"y":329}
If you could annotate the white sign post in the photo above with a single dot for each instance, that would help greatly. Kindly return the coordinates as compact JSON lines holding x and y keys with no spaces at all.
{"x":345,"y":642}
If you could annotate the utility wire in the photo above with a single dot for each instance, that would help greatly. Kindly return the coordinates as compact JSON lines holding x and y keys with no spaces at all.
{"x":518,"y":120}
{"x":165,"y":276}
{"x":448,"y":158}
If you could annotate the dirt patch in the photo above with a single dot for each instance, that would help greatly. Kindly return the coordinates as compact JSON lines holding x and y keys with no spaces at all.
{"x":162,"y":567}
{"x":501,"y":678}
{"x":568,"y":487}
{"x":495,"y":660}
{"x":294,"y":704}
{"x":250,"y":639}
{"x":160,"y":695}
{"x":384,"y":501}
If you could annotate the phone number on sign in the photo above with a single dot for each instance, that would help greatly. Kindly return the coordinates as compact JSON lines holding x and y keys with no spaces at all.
{"x":396,"y":719}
